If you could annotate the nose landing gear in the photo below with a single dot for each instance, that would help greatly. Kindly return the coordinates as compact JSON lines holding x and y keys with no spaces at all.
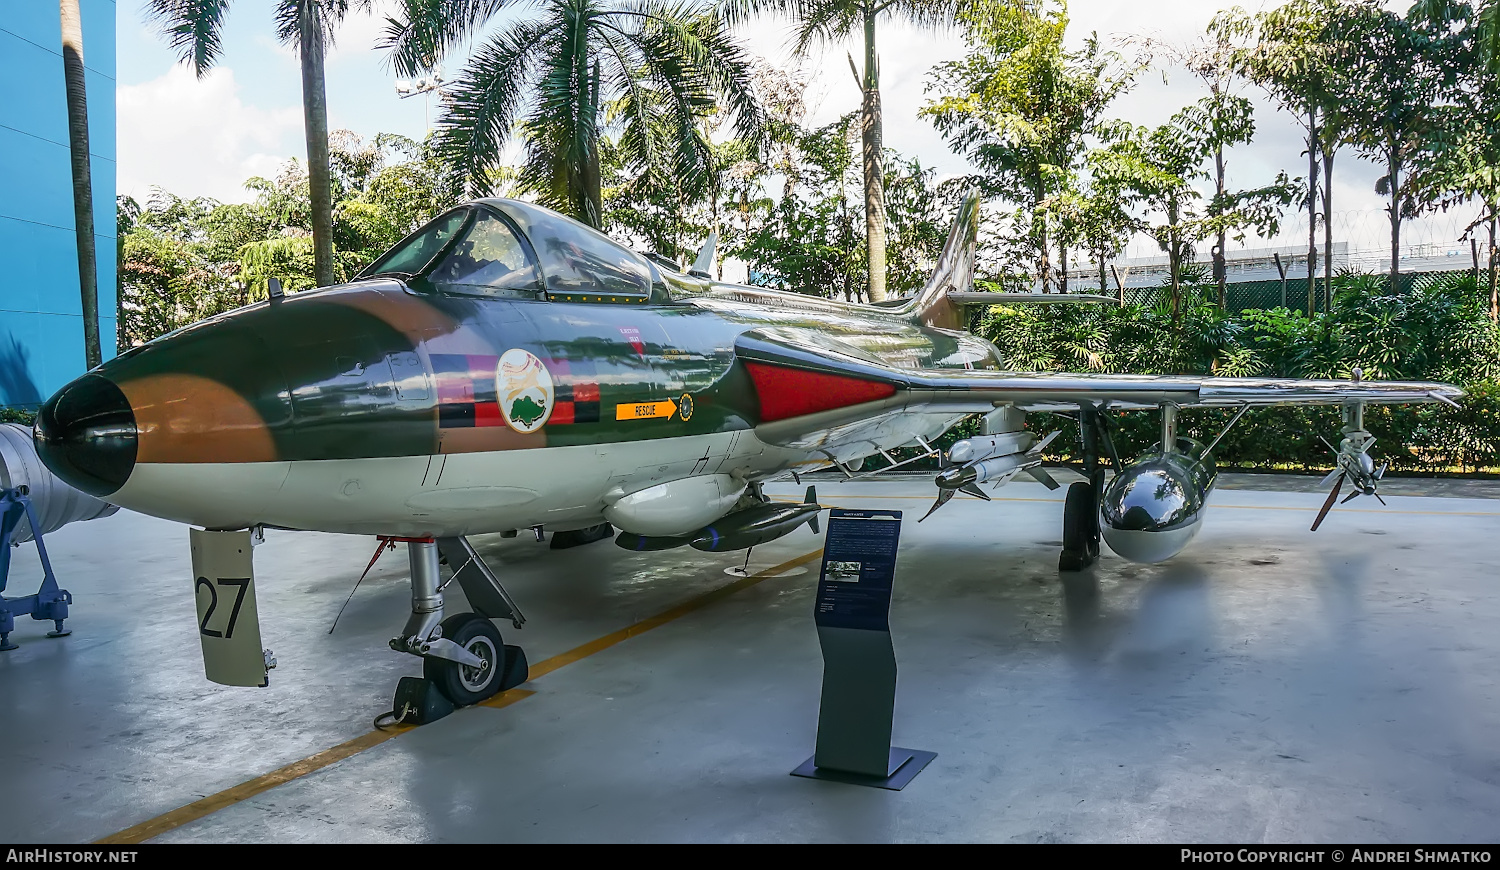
{"x":463,"y":657}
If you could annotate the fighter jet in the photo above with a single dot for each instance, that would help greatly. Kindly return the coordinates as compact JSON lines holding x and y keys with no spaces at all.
{"x":506,"y":368}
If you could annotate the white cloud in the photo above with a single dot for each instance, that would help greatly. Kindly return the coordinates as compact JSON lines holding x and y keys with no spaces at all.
{"x":198,"y":137}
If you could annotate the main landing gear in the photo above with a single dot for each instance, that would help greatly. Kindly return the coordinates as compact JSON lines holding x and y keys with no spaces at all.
{"x":1080,"y":537}
{"x":463,"y":656}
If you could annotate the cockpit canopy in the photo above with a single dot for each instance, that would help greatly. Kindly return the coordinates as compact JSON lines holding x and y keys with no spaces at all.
{"x":505,"y":248}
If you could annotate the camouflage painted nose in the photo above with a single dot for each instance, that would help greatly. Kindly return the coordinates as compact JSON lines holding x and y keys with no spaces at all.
{"x":87,"y":435}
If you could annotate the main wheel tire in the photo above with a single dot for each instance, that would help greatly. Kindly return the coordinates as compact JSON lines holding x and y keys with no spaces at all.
{"x":1080,"y":528}
{"x":1076,"y":525}
{"x":462,"y":684}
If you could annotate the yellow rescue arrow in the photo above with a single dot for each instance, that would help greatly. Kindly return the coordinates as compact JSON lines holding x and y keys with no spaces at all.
{"x":645,"y":410}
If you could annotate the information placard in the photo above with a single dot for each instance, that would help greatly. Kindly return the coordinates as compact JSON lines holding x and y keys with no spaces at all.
{"x":859,"y":568}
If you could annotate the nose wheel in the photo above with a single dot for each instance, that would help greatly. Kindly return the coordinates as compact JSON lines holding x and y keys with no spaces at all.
{"x":469,"y":684}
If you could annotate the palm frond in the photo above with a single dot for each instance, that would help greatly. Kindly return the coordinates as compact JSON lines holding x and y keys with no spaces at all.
{"x":562,"y":130}
{"x":740,"y":11}
{"x":820,"y":22}
{"x":712,"y":62}
{"x":634,"y":111}
{"x":486,"y":101}
{"x":930,"y":13}
{"x":325,"y":15}
{"x":1489,"y":35}
{"x":193,"y":28}
{"x":422,"y":31}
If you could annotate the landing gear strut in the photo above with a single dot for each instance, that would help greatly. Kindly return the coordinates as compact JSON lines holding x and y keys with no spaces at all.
{"x":1081,"y":509}
{"x":463,"y":656}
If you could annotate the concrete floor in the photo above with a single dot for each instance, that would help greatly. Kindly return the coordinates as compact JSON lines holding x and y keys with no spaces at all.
{"x":1268,"y":685}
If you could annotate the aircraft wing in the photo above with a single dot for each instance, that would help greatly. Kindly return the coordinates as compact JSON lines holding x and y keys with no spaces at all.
{"x":817,"y":391}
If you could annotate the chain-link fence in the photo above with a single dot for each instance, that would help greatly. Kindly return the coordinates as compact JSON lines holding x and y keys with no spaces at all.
{"x":1248,"y":295}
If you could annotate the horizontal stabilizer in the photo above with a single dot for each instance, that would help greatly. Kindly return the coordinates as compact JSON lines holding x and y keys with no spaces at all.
{"x":982,"y":298}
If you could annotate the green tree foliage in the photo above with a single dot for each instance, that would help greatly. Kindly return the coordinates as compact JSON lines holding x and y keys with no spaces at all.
{"x":1437,"y":333}
{"x":551,"y":70}
{"x":1405,"y":65}
{"x":1302,"y":53}
{"x":1460,"y":164}
{"x":1099,"y":211}
{"x":184,"y":260}
{"x":809,"y":240}
{"x":1163,"y":165}
{"x":195,"y":30}
{"x":1021,"y":107}
{"x":824,"y":21}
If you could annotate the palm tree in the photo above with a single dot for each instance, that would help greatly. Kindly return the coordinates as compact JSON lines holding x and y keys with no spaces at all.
{"x":823,"y":21}
{"x":195,"y":29}
{"x":549,"y":74}
{"x":83,"y":192}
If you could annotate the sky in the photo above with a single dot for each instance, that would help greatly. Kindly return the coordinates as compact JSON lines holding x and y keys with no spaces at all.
{"x":205,"y":137}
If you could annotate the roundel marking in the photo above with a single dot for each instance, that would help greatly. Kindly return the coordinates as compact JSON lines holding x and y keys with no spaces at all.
{"x":524,"y":389}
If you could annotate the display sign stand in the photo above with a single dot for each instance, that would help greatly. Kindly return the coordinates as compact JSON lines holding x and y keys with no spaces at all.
{"x":859,"y":663}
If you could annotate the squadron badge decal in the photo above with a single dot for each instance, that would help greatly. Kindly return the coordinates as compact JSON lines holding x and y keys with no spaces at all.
{"x":525,"y":390}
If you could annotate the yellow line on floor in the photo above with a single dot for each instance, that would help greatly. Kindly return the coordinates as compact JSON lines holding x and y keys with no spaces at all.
{"x":564,"y":659}
{"x":313,"y":763}
{"x":246,"y":790}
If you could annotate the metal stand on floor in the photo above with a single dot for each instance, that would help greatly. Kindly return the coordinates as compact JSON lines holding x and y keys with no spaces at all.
{"x":859,"y":663}
{"x":49,"y":602}
{"x":741,"y":570}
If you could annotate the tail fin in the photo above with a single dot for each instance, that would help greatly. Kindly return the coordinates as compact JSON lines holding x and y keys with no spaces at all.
{"x":954,"y":272}
{"x":812,"y":495}
{"x":703,"y":266}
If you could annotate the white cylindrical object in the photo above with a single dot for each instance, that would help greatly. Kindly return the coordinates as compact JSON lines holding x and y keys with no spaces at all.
{"x":55,"y":503}
{"x":997,"y":466}
{"x":985,"y":446}
{"x":676,"y":507}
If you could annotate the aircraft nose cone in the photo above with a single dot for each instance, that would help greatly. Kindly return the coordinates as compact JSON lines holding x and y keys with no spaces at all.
{"x":86,"y":434}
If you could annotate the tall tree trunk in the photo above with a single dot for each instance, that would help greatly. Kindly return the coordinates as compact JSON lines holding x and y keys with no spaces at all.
{"x":1174,"y":261}
{"x":1044,"y":262}
{"x":874,"y":163}
{"x":1394,"y":177}
{"x":83,"y":185}
{"x":1103,"y":287}
{"x":1062,"y":250}
{"x":315,"y":122}
{"x":1312,"y":210}
{"x":1494,"y":298}
{"x":1220,"y":266}
{"x":1328,"y":153}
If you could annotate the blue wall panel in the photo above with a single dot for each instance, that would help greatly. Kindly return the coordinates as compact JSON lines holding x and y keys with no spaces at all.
{"x":41,"y":323}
